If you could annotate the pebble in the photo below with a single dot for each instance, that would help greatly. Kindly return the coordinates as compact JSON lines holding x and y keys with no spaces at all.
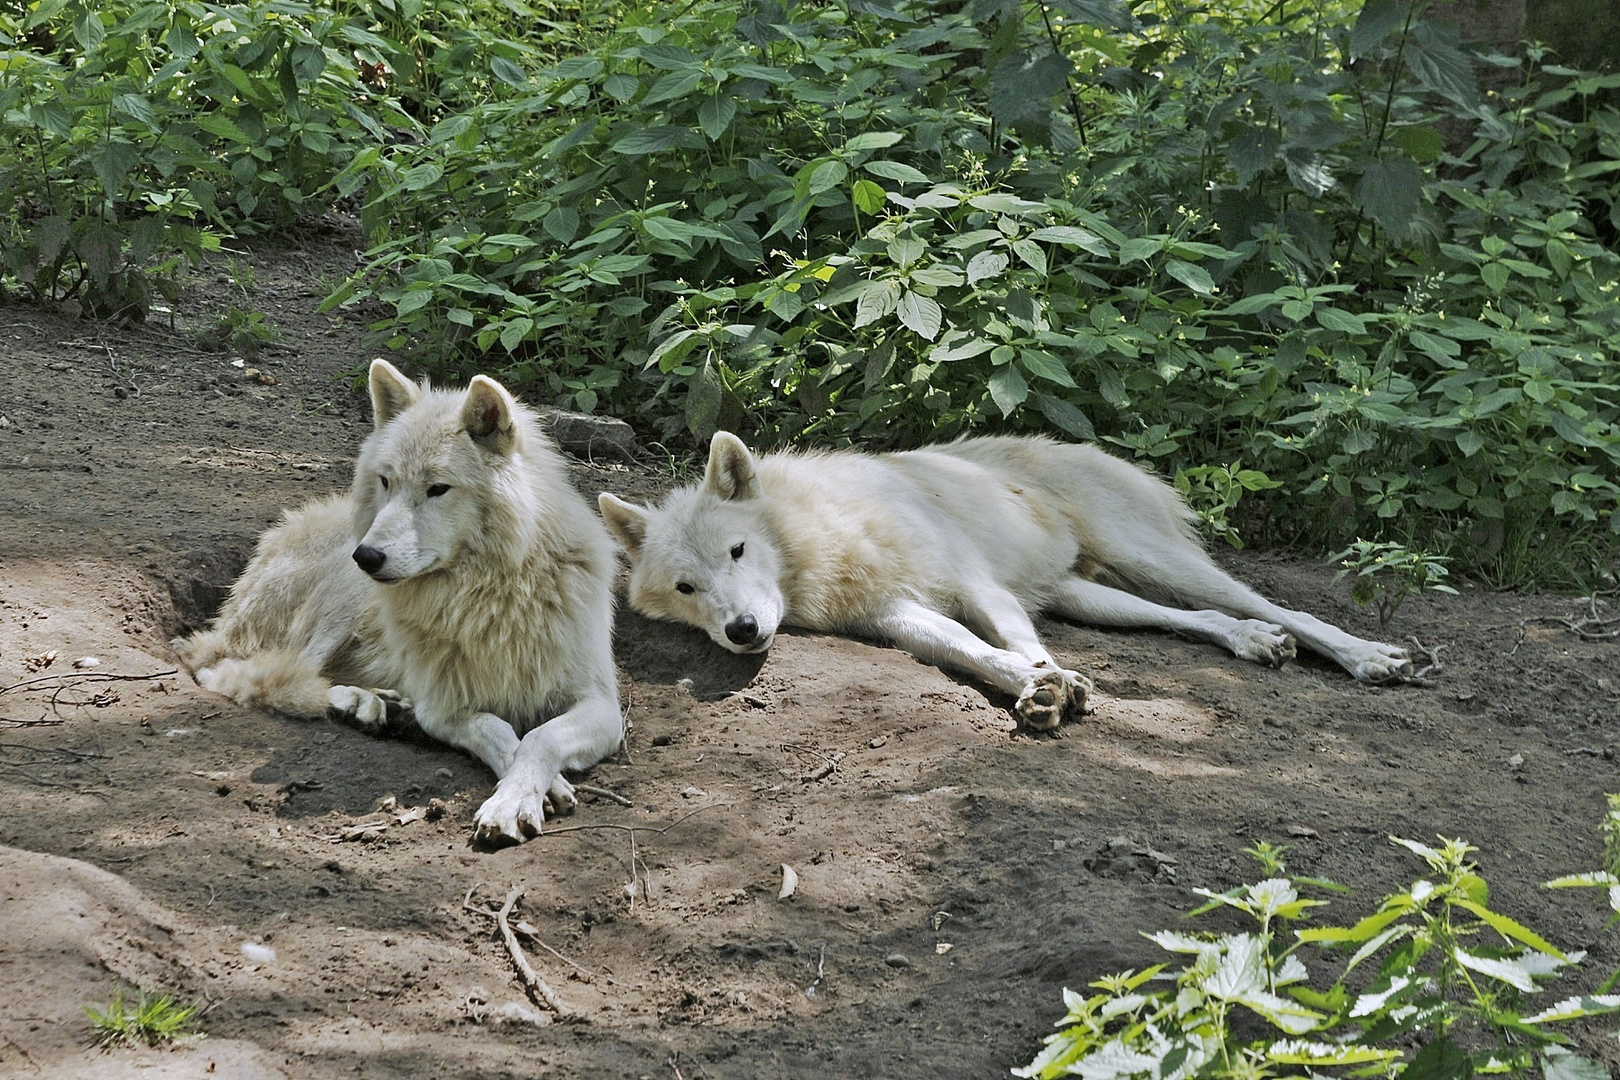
{"x":897,"y":960}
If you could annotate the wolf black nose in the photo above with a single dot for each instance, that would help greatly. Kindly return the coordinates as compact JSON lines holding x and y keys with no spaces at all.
{"x":370,"y":559}
{"x":742,"y":630}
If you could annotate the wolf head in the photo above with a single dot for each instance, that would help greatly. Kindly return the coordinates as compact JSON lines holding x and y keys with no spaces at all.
{"x":708,"y":555}
{"x":423,"y":481}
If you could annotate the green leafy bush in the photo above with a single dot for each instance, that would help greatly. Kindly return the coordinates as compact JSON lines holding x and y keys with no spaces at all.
{"x":1453,"y":976}
{"x":1205,"y":239}
{"x":133,"y":134}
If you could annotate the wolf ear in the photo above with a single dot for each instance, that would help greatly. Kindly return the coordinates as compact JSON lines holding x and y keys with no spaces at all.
{"x":731,"y":472}
{"x":391,"y":392}
{"x":626,"y":521}
{"x":488,"y":415}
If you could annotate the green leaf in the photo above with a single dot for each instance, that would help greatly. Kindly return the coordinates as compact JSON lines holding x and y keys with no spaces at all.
{"x":1378,"y":20}
{"x":985,"y":266}
{"x":877,"y":301}
{"x":868,"y":196}
{"x":419,"y":177}
{"x":1031,"y":254}
{"x":1391,"y":192}
{"x":1142,"y":247}
{"x":1442,"y":1059}
{"x":1495,"y":275}
{"x":894,"y":170}
{"x":676,"y":84}
{"x":1044,"y":365}
{"x":1066,"y":416}
{"x":112,"y":162}
{"x":1559,"y":1064}
{"x":135,"y":107}
{"x":1342,"y":321}
{"x":873,"y":140}
{"x":1508,"y":928}
{"x":1068,"y":234}
{"x":704,"y":396}
{"x":828,"y":175}
{"x":1008,"y":389}
{"x":1191,"y":275}
{"x":716,"y":114}
{"x":514,"y":332}
{"x":653,"y":139}
{"x":508,"y":72}
{"x":1435,"y":60}
{"x":921,"y":314}
{"x":562,"y":224}
{"x":1023,"y":84}
{"x":1420,"y":143}
{"x":906,"y":249}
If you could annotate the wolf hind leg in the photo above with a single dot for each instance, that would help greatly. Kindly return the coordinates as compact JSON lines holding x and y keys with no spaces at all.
{"x":1099,"y":605}
{"x":1182,"y":569}
{"x":1046,"y":694}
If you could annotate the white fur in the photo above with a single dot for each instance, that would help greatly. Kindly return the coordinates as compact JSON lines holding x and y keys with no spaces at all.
{"x":491,"y":612}
{"x":917,"y":547}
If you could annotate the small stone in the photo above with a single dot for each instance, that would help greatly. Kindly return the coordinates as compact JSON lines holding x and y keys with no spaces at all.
{"x":444,"y":774}
{"x":881,"y":740}
{"x":897,"y":960}
{"x":663,"y":740}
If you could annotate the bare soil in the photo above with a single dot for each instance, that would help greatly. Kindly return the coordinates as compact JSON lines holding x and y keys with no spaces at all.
{"x":953,"y":875}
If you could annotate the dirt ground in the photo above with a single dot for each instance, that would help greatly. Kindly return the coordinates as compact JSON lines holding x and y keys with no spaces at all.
{"x":953,"y":875}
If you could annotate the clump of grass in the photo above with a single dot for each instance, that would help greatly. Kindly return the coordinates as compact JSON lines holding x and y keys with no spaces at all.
{"x":148,"y":1020}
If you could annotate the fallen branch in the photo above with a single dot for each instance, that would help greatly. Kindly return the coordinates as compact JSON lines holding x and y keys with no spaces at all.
{"x":540,"y":991}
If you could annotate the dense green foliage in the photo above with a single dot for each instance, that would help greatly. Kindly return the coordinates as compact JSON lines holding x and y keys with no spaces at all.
{"x":1288,"y":251}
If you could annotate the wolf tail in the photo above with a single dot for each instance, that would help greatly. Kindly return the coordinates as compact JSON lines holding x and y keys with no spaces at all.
{"x":279,"y":679}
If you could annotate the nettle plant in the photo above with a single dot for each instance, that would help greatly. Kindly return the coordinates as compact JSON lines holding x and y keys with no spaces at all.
{"x":1386,"y":573}
{"x":1436,"y":966}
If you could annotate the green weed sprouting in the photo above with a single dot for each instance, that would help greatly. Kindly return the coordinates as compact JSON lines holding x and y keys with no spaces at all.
{"x":150,"y":1020}
{"x":1452,"y":975}
{"x":1386,"y":573}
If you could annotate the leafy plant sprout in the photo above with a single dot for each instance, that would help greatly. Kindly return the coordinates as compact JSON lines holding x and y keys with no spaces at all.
{"x":1386,"y":573}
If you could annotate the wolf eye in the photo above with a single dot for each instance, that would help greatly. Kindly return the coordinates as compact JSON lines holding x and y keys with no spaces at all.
{"x":435,"y":490}
{"x":684,"y":589}
{"x":384,"y":481}
{"x":736,"y":552}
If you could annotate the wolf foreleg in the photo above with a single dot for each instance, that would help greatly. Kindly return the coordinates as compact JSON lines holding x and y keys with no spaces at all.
{"x":1045,"y":693}
{"x":575,"y":741}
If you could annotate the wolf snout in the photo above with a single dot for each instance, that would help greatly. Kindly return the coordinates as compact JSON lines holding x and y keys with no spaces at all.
{"x":370,"y":559}
{"x":743,"y":630}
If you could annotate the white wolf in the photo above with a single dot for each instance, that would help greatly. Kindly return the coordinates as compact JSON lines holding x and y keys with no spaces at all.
{"x":463,"y":573}
{"x":916,"y":547}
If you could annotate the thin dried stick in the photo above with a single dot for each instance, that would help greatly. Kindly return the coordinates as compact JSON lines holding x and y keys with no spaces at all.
{"x":592,"y":789}
{"x":631,"y":828}
{"x":538,"y":988}
{"x":89,"y":676}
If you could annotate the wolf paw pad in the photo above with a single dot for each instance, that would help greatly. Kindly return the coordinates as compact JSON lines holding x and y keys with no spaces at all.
{"x":1050,"y":697}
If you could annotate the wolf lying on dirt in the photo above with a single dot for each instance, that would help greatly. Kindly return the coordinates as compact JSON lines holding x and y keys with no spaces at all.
{"x":916,"y":547}
{"x":463,"y":573}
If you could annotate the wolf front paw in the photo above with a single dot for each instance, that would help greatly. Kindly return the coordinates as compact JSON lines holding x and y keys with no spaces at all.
{"x":1050,"y":697}
{"x":518,"y":810}
{"x":369,"y":710}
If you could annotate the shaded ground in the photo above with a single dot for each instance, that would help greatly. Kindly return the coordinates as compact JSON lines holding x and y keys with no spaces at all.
{"x":135,"y":473}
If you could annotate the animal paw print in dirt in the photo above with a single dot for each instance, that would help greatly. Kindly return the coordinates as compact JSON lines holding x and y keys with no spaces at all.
{"x":1051,"y":697}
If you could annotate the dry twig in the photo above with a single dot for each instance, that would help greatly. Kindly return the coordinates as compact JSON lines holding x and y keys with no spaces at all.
{"x":540,"y":991}
{"x":1434,"y":667}
{"x":591,"y":789}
